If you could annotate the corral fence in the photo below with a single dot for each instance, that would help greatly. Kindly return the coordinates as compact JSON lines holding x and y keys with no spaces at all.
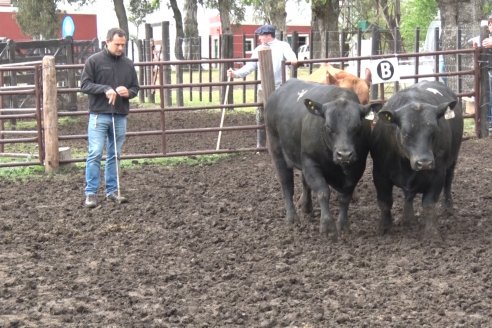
{"x":20,"y":53}
{"x":204,"y":86}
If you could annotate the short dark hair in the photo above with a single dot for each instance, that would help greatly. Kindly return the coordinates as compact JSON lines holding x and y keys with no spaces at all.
{"x":115,"y":31}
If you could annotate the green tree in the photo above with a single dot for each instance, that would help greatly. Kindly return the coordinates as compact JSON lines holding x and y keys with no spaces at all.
{"x":416,"y":13}
{"x":139,"y":9}
{"x":38,"y":19}
{"x":270,"y":12}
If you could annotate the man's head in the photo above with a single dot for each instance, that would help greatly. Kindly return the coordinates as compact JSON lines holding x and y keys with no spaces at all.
{"x":266,"y":33}
{"x":490,"y":23}
{"x":116,"y":41}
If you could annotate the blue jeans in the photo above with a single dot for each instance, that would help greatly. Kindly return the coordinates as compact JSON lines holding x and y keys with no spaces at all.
{"x":100,"y":134}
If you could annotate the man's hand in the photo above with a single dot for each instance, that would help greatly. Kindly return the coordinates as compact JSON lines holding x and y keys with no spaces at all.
{"x":487,"y":43}
{"x":123,"y":91}
{"x":111,"y":95}
{"x":230,"y":73}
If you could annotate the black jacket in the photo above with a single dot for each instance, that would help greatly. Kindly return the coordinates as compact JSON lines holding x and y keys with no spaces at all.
{"x":103,"y":71}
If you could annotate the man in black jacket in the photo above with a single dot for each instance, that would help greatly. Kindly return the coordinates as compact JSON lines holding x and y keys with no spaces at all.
{"x":110,"y":80}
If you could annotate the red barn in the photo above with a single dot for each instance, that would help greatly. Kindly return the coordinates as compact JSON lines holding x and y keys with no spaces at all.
{"x":85,"y":24}
{"x":247,"y":33}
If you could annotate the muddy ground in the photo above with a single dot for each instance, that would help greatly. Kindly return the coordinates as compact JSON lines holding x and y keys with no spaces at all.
{"x":207,"y":246}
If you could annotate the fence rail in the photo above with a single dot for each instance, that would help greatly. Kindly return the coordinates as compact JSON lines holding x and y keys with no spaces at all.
{"x":170,"y":83}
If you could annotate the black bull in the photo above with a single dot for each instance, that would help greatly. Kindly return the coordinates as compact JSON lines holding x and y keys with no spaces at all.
{"x":415,"y":146}
{"x":321,"y":130}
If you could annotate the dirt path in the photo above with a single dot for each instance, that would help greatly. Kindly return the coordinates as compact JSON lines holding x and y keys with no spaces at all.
{"x":207,"y":246}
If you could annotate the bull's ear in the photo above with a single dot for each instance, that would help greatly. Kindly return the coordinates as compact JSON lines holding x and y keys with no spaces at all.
{"x":446,"y":109}
{"x":369,"y":110}
{"x":386,"y":116}
{"x":313,"y":107}
{"x":368,"y":78}
{"x":330,"y":79}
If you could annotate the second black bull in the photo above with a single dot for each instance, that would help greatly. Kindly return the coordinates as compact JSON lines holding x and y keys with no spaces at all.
{"x":321,"y":130}
{"x":415,"y":146}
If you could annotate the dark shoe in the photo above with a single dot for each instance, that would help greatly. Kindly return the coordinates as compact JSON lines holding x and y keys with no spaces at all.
{"x":90,"y":201}
{"x":115,"y":198}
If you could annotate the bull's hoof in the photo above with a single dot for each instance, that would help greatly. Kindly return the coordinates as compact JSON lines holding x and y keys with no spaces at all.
{"x":329,"y":230}
{"x":343,"y":228}
{"x":293,"y":219}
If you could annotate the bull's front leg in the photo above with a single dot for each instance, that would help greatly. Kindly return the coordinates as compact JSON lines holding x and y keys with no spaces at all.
{"x":448,"y":197}
{"x":429,"y":216}
{"x":327,"y":226}
{"x":384,"y":190}
{"x":343,"y":224}
{"x":317,"y":182}
{"x":408,"y":217}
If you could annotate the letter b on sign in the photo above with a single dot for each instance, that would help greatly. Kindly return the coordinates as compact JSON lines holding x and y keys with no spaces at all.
{"x":385,"y":70}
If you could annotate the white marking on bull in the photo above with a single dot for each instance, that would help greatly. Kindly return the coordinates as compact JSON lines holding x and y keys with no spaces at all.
{"x":449,"y":114}
{"x":434,"y":91}
{"x":301,"y":93}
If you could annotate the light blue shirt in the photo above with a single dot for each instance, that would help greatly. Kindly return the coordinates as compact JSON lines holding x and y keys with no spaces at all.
{"x":280,"y":50}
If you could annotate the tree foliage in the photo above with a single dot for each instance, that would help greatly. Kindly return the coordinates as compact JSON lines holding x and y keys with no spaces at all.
{"x":38,"y":19}
{"x":416,"y":13}
{"x":139,"y":9}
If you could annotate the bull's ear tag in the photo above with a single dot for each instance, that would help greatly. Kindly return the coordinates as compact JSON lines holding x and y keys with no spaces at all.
{"x":311,"y":105}
{"x":370,"y":116}
{"x":449,"y":114}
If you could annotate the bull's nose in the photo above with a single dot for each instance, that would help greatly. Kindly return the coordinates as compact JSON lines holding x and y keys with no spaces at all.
{"x":344,"y":155}
{"x":424,"y":164}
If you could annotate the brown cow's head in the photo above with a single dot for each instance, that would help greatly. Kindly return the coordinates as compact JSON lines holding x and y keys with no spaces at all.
{"x":328,"y":74}
{"x":346,"y":80}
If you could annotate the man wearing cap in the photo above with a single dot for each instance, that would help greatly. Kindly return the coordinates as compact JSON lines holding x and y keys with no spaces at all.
{"x":280,"y":50}
{"x":487,"y":43}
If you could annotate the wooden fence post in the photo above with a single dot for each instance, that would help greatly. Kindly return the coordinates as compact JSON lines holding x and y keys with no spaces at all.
{"x":166,"y":56}
{"x":50,"y":115}
{"x":266,"y":73}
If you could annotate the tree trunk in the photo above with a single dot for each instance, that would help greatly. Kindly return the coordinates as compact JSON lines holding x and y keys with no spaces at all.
{"x":392,"y":18}
{"x":224,"y":7}
{"x":324,"y":19}
{"x":278,"y":16}
{"x":120,"y":11}
{"x":178,"y":42}
{"x":192,"y":39}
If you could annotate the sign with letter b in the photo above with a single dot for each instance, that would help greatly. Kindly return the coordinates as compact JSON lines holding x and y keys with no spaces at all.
{"x":385,"y":70}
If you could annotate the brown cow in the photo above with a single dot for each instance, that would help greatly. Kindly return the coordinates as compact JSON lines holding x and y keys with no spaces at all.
{"x":328,"y":74}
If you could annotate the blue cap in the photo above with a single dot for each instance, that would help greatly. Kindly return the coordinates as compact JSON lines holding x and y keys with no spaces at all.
{"x":265,"y":29}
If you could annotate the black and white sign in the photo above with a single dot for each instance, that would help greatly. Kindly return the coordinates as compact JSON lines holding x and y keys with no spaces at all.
{"x":385,"y":70}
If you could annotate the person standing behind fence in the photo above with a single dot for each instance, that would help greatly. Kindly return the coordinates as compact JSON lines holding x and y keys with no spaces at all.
{"x":487,"y":43}
{"x":110,"y":80}
{"x":280,"y":50}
